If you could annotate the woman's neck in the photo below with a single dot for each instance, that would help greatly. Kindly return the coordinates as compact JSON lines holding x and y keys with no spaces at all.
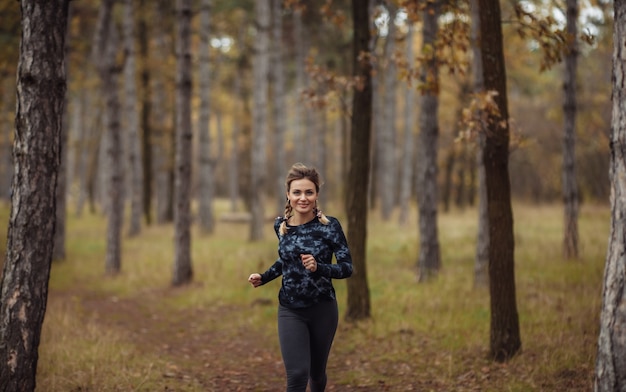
{"x":300,"y":219}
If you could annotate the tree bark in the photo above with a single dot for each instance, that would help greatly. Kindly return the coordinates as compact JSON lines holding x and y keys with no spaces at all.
{"x":146,"y":112}
{"x":429,"y":259}
{"x":481,"y":263}
{"x":388,"y":175}
{"x":206,"y":163}
{"x":104,"y":55}
{"x":406,"y":173}
{"x":183,"y":272}
{"x":41,"y":86}
{"x":505,"y":339}
{"x":279,"y":105}
{"x":259,"y":124}
{"x":358,"y":171}
{"x":570,"y":188}
{"x":131,"y":125}
{"x":610,"y":374}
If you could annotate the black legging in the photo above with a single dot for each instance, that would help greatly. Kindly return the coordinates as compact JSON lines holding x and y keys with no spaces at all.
{"x":306,"y":336}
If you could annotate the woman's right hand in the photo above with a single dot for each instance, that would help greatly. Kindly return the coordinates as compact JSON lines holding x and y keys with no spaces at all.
{"x":255,"y":280}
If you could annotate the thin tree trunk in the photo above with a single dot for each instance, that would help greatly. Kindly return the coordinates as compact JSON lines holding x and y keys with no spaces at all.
{"x":146,"y":112}
{"x":570,"y":188}
{"x":406,"y":181}
{"x":259,"y":124}
{"x":131,"y":112}
{"x":358,"y":172}
{"x":481,"y":263}
{"x":105,"y":48}
{"x":41,"y":86}
{"x":429,"y":259}
{"x":505,"y":339}
{"x":63,"y":173}
{"x":280,"y":105}
{"x":388,"y":175}
{"x":206,"y":163}
{"x":183,"y":272}
{"x":300,"y":130}
{"x":163,"y":148}
{"x":610,"y":374}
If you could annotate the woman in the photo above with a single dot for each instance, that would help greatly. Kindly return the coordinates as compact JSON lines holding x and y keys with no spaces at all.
{"x":307,"y":313}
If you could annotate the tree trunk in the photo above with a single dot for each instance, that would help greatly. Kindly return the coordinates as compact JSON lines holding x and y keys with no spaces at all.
{"x":279,"y":106}
{"x":481,"y":263}
{"x":388,"y":178}
{"x":105,"y":49}
{"x":63,"y":172}
{"x":429,"y":259}
{"x":300,"y":130}
{"x":206,"y":163}
{"x":182,"y":191}
{"x":146,"y":112}
{"x":131,"y":125}
{"x":358,"y":171}
{"x":163,"y":132}
{"x":406,"y":180}
{"x":570,"y":188}
{"x":259,"y":124}
{"x":504,"y":332}
{"x":611,"y":358}
{"x":41,"y":86}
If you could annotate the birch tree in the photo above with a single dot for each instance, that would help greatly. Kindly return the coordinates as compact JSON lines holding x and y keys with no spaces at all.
{"x":610,"y":372}
{"x":183,"y":272}
{"x":41,"y":86}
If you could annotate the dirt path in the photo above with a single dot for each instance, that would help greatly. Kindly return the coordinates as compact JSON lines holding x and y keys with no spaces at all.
{"x":218,"y":359}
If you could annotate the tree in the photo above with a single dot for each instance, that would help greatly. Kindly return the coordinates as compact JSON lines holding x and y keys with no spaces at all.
{"x":570,"y":187}
{"x":610,"y":375}
{"x":131,"y":125}
{"x":504,"y":327}
{"x":183,"y":272}
{"x":279,"y":103}
{"x":62,"y":176}
{"x":206,"y":163}
{"x":388,"y":178}
{"x":481,"y":263}
{"x":146,"y":111}
{"x":104,"y":55}
{"x":429,"y":259}
{"x":41,"y":86}
{"x":259,"y":124}
{"x":358,"y":171}
{"x":406,"y":181}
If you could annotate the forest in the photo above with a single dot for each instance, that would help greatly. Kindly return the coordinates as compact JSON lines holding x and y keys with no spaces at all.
{"x":471,"y":150}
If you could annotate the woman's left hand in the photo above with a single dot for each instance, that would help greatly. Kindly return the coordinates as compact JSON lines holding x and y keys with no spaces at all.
{"x":309,"y":262}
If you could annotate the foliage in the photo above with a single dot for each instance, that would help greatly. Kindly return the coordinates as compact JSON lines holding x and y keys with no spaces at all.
{"x":134,"y":332}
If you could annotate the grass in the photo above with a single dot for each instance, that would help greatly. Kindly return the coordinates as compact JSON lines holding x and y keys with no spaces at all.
{"x":431,"y":336}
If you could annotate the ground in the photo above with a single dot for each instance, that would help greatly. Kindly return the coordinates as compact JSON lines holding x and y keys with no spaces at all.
{"x":237,"y":358}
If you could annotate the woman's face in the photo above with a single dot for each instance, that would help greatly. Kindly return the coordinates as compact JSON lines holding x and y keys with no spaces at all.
{"x":302,"y":196}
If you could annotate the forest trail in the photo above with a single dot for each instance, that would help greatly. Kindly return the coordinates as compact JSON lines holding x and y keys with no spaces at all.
{"x":197,"y":351}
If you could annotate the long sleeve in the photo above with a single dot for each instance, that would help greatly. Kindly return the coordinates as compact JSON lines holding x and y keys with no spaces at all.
{"x":339,"y":246}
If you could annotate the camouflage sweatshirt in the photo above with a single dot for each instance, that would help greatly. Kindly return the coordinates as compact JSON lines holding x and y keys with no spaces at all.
{"x":301,"y":288}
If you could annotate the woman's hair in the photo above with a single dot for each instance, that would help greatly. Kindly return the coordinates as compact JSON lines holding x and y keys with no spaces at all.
{"x":298,"y":172}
